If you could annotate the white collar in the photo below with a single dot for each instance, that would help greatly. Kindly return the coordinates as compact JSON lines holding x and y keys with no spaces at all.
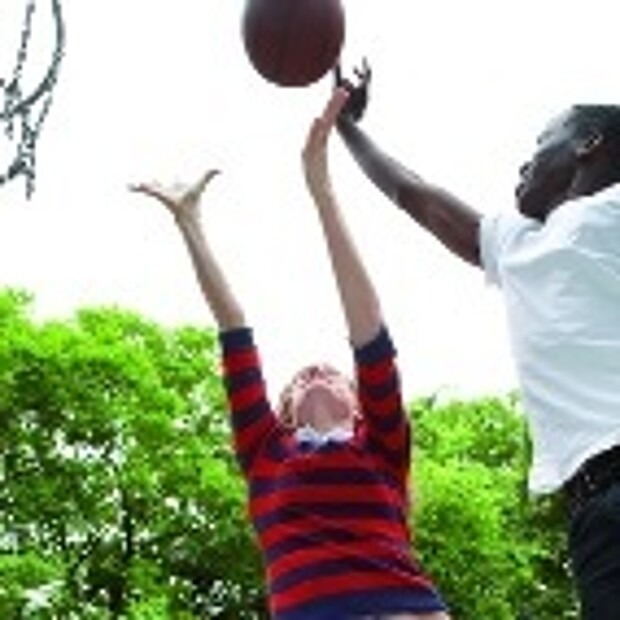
{"x":310,"y":435}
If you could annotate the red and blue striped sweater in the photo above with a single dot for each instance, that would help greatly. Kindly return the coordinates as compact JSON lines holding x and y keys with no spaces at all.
{"x":331,"y":520}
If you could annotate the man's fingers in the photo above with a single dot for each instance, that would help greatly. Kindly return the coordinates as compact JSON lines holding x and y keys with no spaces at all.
{"x":367,"y":70}
{"x":363,"y":73}
{"x":337,"y":75}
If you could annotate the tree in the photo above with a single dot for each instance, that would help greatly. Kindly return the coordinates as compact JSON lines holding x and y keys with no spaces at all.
{"x":115,"y":461}
{"x":496,"y":552}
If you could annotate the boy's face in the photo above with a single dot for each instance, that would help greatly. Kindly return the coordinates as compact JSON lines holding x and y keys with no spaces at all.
{"x":321,"y":397}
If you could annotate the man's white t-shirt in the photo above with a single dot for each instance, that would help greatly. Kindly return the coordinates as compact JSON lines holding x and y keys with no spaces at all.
{"x":561,"y":285}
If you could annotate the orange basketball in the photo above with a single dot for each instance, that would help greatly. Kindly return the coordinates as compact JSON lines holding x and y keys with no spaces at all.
{"x":293,"y":42}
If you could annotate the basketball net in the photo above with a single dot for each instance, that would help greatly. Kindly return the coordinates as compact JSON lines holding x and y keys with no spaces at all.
{"x":23,"y":111}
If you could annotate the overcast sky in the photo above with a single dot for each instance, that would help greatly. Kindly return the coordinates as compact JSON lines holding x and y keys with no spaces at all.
{"x":155,"y":89}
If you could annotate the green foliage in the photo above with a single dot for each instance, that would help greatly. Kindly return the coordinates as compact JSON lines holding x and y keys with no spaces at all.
{"x":27,"y":583}
{"x":495,"y":552}
{"x":121,"y":498}
{"x":116,"y":463}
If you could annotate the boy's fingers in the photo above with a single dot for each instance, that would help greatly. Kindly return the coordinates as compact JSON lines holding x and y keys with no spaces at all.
{"x":140,"y":188}
{"x":149,"y":190}
{"x":334,"y":105}
{"x":209,"y":174}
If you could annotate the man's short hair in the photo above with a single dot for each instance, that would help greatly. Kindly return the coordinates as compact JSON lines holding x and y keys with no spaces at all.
{"x":600,"y":118}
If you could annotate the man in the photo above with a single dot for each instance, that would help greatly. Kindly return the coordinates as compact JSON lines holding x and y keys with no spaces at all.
{"x":557,"y":261}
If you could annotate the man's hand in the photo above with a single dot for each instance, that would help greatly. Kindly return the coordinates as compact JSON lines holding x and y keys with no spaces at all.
{"x":181,"y":200}
{"x":358,"y":91}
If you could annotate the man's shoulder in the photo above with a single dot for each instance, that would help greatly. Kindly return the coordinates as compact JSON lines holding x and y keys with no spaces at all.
{"x":607,"y":197}
{"x":599,"y":210}
{"x":501,"y":228}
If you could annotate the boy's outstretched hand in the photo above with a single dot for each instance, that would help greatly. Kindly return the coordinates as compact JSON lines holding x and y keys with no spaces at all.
{"x":315,"y":150}
{"x":180,"y":199}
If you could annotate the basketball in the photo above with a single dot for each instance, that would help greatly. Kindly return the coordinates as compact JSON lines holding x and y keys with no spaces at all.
{"x":293,"y":42}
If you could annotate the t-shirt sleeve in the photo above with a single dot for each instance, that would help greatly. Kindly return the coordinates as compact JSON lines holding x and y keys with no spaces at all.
{"x":252,"y":418}
{"x":489,"y":233}
{"x":378,"y":382}
{"x":497,"y":234}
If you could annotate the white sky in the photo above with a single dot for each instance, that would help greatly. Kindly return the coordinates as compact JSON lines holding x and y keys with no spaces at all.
{"x":154,"y":89}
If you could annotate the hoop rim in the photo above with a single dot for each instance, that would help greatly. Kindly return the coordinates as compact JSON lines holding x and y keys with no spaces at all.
{"x":50,"y":77}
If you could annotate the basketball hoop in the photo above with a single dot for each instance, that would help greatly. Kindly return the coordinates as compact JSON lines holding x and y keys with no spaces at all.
{"x":23,"y":113}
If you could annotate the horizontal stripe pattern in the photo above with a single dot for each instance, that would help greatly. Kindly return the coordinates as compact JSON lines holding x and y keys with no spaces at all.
{"x":309,"y":532}
{"x":331,"y":521}
{"x":252,"y":419}
{"x":387,"y":425}
{"x":363,"y":604}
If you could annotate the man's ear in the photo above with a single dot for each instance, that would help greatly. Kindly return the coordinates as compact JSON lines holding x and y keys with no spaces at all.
{"x":589,"y":144}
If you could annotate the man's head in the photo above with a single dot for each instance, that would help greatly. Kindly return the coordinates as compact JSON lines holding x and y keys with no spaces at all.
{"x":321,"y":397}
{"x":577,"y":154}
